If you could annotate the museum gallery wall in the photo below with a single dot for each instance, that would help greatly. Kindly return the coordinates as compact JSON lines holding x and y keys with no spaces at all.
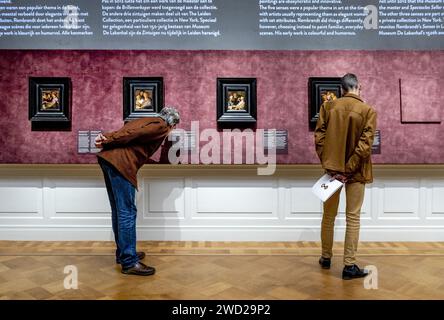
{"x":403,"y":86}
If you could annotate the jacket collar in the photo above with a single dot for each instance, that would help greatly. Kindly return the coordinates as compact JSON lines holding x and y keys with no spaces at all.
{"x":352,"y":95}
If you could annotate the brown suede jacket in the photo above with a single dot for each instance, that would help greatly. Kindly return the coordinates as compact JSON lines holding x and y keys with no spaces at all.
{"x":129,"y":148}
{"x":344,"y":136}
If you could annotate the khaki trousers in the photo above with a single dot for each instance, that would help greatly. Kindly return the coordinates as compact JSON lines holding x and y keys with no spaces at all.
{"x":354,"y":193}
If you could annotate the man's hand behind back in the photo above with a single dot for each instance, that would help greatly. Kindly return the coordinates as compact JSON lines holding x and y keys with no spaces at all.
{"x":344,"y":178}
{"x":341,"y":177}
{"x":99,"y":140}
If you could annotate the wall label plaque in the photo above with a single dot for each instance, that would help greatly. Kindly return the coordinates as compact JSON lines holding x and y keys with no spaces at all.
{"x":186,"y":140}
{"x":376,"y":147}
{"x":277,"y":139}
{"x":86,"y":141}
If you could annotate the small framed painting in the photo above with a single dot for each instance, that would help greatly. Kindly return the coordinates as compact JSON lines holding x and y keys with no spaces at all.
{"x":49,"y":101}
{"x":236,"y":101}
{"x":321,"y":90}
{"x":142,"y":97}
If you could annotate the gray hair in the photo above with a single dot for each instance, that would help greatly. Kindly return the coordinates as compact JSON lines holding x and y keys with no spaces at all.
{"x":170,"y":115}
{"x":349,"y":82}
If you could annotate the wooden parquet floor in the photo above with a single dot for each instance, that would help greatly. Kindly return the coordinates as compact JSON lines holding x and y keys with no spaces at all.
{"x":219,"y":270}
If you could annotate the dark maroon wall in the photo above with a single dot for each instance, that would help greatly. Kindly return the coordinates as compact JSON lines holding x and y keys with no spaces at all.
{"x":190,"y":85}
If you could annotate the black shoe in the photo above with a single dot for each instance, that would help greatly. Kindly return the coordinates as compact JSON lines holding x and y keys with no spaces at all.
{"x":139,"y":269}
{"x":140,"y":255}
{"x":325,"y":262}
{"x":353,"y":272}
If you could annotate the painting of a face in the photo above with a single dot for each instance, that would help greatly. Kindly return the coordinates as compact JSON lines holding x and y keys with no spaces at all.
{"x":328,"y":95}
{"x":321,"y":90}
{"x":49,"y":103}
{"x":143,"y":99}
{"x":50,"y":99}
{"x":236,"y":100}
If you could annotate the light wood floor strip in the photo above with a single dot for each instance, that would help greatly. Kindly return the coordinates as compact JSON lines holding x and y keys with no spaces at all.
{"x":216,"y":248}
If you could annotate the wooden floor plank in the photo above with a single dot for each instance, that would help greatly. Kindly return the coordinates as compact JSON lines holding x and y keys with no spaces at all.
{"x":212,"y":248}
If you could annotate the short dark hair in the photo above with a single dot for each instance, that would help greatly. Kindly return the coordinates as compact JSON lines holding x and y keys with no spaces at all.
{"x":349,"y":82}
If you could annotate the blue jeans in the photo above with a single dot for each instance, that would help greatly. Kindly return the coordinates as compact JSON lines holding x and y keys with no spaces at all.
{"x":121,"y":194}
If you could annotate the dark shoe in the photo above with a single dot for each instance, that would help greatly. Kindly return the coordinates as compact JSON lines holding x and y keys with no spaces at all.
{"x":353,"y":272}
{"x":140,"y":255}
{"x":325,"y":262}
{"x":139,"y":269}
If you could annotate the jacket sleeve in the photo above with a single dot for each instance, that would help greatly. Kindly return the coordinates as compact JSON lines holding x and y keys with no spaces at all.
{"x":320,"y":131}
{"x":363,"y":149}
{"x":128,"y":133}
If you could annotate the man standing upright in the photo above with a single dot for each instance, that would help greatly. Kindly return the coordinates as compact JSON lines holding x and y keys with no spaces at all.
{"x":344,"y":137}
{"x":124,"y":152}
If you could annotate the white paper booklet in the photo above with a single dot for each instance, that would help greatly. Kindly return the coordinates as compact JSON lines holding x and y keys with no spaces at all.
{"x":325,"y":187}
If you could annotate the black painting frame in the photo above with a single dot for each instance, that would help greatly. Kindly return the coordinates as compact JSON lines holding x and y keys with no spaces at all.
{"x":130,"y":85}
{"x":237,"y":117}
{"x":58,"y":117}
{"x":315,"y":86}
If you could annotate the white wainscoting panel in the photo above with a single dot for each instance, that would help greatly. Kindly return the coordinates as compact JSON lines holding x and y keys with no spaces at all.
{"x":226,"y":198}
{"x":303,"y":203}
{"x":178,"y":203}
{"x":163,"y":198}
{"x":21,"y":198}
{"x":401,"y":199}
{"x":435,"y":200}
{"x":86,"y":198}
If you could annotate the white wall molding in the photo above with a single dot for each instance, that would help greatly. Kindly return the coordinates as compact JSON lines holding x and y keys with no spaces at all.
{"x":219,"y":203}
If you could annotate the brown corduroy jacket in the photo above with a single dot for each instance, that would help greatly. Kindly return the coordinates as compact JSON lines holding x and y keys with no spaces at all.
{"x":129,"y":148}
{"x":344,"y":136}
